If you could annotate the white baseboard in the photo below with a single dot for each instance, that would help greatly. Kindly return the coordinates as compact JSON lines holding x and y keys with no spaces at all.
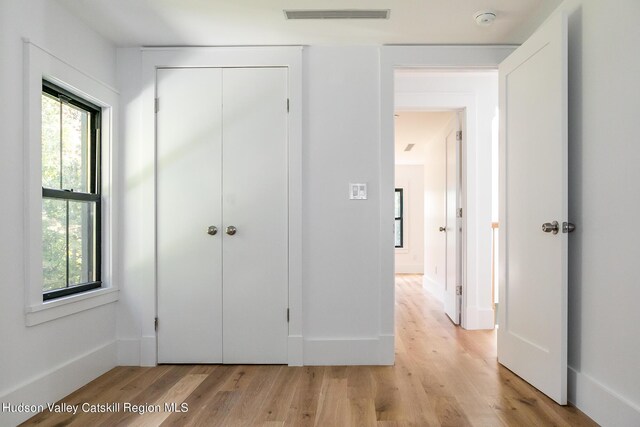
{"x":340,"y":352}
{"x":479,"y":318}
{"x":410,"y":269}
{"x":295,"y":349}
{"x":148,"y":351}
{"x":128,"y":352}
{"x":59,"y":382}
{"x":433,"y":288}
{"x":600,"y":403}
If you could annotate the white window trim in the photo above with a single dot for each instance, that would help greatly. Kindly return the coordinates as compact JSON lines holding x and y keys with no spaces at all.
{"x":38,"y":65}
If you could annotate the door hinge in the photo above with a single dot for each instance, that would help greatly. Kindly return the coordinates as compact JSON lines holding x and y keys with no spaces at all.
{"x":459,"y":212}
{"x":287,"y":315}
{"x":157,"y":104}
{"x":459,"y":135}
{"x":287,"y":105}
{"x":155,"y":323}
{"x":459,"y":290}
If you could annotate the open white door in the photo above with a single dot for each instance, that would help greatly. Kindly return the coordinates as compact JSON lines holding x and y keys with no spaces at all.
{"x":532,"y":334}
{"x":453,"y":229}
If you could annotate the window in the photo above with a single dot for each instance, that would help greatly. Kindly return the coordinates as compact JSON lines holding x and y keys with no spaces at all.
{"x":71,"y":201}
{"x":399,"y":223}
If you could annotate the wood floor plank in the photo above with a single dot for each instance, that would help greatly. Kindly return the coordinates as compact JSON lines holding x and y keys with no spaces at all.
{"x":443,"y":376}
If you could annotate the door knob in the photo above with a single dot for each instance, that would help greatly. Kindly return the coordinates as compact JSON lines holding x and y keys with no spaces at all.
{"x":212,"y":230}
{"x":551,"y":227}
{"x":443,"y":229}
{"x":231,"y":230}
{"x":568,"y":227}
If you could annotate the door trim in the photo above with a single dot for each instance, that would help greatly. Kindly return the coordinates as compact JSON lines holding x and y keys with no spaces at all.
{"x":218,"y":57}
{"x":392,"y":57}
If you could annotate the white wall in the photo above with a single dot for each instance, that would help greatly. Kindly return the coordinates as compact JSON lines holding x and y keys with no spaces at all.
{"x":41,"y":363}
{"x":604,"y":179}
{"x":477,"y":93}
{"x":435,"y":248}
{"x":410,"y":258}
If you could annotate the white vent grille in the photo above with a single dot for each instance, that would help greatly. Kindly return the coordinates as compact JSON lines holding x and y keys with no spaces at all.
{"x":409,"y":147}
{"x":338,"y":14}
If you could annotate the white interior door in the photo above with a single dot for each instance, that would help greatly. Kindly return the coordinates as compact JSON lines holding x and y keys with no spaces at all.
{"x":189,"y":259}
{"x":255,"y":274}
{"x":452,"y":293}
{"x":532,"y":334}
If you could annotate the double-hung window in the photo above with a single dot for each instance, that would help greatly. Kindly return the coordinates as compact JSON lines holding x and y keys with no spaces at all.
{"x":71,"y":201}
{"x":399,"y":219}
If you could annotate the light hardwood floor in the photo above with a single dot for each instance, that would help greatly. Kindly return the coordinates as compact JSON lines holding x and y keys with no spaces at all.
{"x":443,"y":376}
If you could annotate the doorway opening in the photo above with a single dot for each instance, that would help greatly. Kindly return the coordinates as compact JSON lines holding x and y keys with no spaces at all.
{"x":446,"y":181}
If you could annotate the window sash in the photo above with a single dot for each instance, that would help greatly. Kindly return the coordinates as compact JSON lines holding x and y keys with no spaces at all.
{"x":94,"y":186}
{"x":400,"y":191}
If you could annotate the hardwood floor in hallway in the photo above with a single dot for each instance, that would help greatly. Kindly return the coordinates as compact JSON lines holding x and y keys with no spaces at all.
{"x":443,"y":376}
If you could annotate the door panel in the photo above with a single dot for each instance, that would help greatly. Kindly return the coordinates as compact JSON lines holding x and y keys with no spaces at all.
{"x":189,"y":260}
{"x":451,"y":298}
{"x":532,"y":334}
{"x":255,"y":271}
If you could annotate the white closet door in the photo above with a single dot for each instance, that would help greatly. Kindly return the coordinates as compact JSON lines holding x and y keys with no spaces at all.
{"x":255,"y":273}
{"x":189,"y":259}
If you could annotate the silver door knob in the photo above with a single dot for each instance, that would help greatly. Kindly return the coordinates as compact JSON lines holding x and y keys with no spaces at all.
{"x":212,"y":230}
{"x":551,"y":227}
{"x":442,"y":228}
{"x":568,"y":227}
{"x":231,"y":230}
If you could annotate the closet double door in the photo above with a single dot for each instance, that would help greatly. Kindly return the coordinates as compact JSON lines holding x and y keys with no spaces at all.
{"x":222,"y":215}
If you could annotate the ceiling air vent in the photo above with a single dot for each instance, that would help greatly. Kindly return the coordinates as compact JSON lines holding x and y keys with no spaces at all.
{"x":409,"y":147}
{"x":338,"y":14}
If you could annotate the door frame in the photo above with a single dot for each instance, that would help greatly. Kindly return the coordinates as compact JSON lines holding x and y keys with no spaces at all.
{"x":392,"y":58}
{"x":459,"y":105}
{"x":217,"y":57}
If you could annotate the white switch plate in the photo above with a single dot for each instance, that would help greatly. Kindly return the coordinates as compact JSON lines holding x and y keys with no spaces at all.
{"x":357,"y":191}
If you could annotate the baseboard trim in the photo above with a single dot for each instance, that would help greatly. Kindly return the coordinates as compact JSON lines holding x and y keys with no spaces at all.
{"x":59,"y":382}
{"x":148,"y":351}
{"x":129,"y":352}
{"x":295,"y":350}
{"x":433,"y":288}
{"x":346,"y":352}
{"x":479,"y":318}
{"x":410,"y":269}
{"x":600,"y":403}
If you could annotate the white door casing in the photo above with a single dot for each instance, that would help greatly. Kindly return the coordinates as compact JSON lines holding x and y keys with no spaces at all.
{"x":255,"y":202}
{"x":532,"y":334}
{"x":453,"y":228}
{"x":189,"y":138}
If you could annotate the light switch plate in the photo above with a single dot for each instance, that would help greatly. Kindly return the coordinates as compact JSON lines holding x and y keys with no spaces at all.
{"x":357,"y":191}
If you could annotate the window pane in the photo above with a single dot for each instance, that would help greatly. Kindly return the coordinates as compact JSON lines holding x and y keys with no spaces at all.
{"x":398,"y":204}
{"x":54,"y":244}
{"x":398,"y":232}
{"x":75,"y":251}
{"x":75,"y":137}
{"x":81,"y":242}
{"x":50,"y":142}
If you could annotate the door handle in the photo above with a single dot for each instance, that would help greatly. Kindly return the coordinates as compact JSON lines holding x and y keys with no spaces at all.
{"x":443,"y":229}
{"x":551,"y":227}
{"x":212,"y":230}
{"x":231,"y":230}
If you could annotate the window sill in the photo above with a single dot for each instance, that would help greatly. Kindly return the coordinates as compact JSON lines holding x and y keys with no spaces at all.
{"x":65,"y":306}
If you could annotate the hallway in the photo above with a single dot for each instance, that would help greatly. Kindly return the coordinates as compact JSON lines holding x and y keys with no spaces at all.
{"x":443,"y":376}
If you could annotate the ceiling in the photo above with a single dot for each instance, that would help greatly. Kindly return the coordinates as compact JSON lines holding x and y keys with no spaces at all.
{"x":417,"y":128}
{"x":262,"y":22}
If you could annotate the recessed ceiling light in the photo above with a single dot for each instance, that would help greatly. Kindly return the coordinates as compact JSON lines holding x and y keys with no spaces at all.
{"x":484,"y":18}
{"x":338,"y":14}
